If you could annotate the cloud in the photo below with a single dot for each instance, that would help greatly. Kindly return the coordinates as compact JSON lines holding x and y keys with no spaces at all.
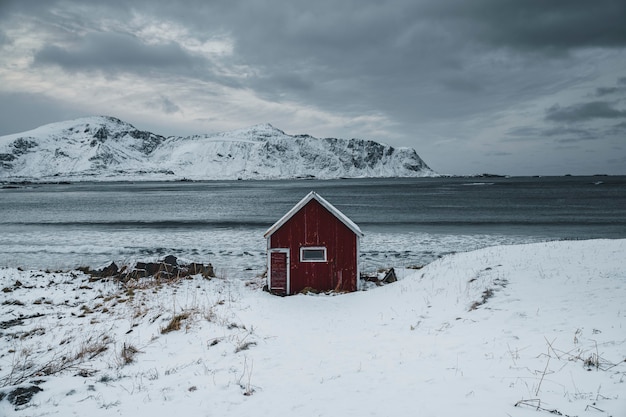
{"x":168,"y":106}
{"x":618,"y":129}
{"x":109,"y":51}
{"x":613,"y":90}
{"x":429,"y":70}
{"x":559,"y":134}
{"x":4,"y":39}
{"x":499,"y":153}
{"x":9,"y":6}
{"x":605,"y":91}
{"x":584,"y":111}
{"x":17,"y":110}
{"x":460,"y":84}
{"x":539,"y":25}
{"x":415,"y":60}
{"x":617,"y":161}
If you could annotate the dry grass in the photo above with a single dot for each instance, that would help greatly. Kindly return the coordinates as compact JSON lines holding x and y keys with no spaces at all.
{"x":244,"y":346}
{"x":175,"y":322}
{"x":128,"y":353}
{"x":27,"y":364}
{"x":486,"y":295}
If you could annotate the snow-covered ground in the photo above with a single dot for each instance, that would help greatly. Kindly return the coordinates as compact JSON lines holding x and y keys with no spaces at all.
{"x":504,"y":331}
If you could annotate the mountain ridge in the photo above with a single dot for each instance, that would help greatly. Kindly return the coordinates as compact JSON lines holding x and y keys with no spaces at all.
{"x":101,"y":148}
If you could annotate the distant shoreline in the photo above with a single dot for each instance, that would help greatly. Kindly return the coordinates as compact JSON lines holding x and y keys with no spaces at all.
{"x":8,"y":182}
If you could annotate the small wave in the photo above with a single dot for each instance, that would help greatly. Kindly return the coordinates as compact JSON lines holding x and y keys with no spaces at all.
{"x":147,"y":224}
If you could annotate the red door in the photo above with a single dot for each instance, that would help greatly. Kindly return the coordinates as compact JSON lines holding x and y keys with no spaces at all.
{"x":279,"y":271}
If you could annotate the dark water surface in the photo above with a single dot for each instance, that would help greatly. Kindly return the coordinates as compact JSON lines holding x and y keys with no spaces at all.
{"x":406,"y":221}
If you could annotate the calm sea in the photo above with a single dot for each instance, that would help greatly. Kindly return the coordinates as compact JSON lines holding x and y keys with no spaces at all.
{"x":405,"y":221}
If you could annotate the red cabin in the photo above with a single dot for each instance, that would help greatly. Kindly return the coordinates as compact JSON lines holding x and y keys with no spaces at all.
{"x":314,"y":246}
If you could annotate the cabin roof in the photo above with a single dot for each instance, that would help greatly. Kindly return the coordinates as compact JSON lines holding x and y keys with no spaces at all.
{"x":314,"y":196}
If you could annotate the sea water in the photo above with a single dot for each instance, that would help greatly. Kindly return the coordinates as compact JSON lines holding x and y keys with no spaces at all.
{"x":407,"y":222}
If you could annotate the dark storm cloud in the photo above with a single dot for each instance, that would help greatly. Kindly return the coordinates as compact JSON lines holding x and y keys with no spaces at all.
{"x":558,"y":134}
{"x":539,"y":24}
{"x":584,"y":111}
{"x":345,"y":29}
{"x":366,"y":55}
{"x":416,"y":60}
{"x":605,"y":91}
{"x":9,"y":6}
{"x":114,"y":51}
{"x":408,"y":38}
{"x":457,"y":65}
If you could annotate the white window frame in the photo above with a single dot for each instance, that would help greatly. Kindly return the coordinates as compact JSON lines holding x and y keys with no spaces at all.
{"x":305,"y":248}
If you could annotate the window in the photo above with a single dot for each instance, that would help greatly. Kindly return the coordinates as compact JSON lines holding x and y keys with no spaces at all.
{"x":313,"y":254}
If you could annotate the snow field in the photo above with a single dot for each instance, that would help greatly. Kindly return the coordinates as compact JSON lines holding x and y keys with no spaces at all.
{"x":508,"y":330}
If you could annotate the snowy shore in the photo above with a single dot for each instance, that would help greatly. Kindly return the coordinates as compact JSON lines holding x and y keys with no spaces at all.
{"x":506,"y":330}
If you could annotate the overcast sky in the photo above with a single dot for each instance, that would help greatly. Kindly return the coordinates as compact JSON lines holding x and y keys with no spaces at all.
{"x":526,"y":87}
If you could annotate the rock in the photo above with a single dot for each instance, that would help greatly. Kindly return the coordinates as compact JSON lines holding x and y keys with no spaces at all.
{"x":195,"y":268}
{"x":168,"y":268}
{"x":110,"y":270}
{"x":136,"y":274}
{"x":171,"y":260}
{"x":205,"y":270}
{"x":163,"y":275}
{"x":150,"y":268}
{"x":22,"y":395}
{"x":390,"y":276}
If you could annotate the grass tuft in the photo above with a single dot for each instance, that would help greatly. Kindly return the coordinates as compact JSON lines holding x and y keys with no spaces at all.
{"x":175,"y":322}
{"x":128,"y":354}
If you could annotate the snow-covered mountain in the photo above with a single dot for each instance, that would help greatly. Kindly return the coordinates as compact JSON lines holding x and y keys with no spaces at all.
{"x":106,"y":148}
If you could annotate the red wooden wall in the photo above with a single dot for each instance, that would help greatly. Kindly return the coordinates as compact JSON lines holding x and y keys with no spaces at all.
{"x":314,"y":225}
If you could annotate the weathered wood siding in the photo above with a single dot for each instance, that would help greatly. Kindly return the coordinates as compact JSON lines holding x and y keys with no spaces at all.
{"x":314,"y":225}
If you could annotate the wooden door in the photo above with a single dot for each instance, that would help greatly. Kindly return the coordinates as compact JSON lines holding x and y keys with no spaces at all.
{"x":279,"y":271}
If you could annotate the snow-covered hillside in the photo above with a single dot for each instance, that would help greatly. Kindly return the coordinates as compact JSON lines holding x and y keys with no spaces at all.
{"x":526,"y":330}
{"x":105,"y":148}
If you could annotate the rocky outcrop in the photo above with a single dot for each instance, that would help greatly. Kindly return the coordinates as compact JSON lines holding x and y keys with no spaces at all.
{"x":167,"y":269}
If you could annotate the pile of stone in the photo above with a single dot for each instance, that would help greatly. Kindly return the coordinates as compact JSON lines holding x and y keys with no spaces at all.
{"x":382,"y":277}
{"x":167,"y":268}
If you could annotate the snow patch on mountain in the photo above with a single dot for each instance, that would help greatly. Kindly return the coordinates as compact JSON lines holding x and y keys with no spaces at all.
{"x":106,"y":148}
{"x":92,"y":146}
